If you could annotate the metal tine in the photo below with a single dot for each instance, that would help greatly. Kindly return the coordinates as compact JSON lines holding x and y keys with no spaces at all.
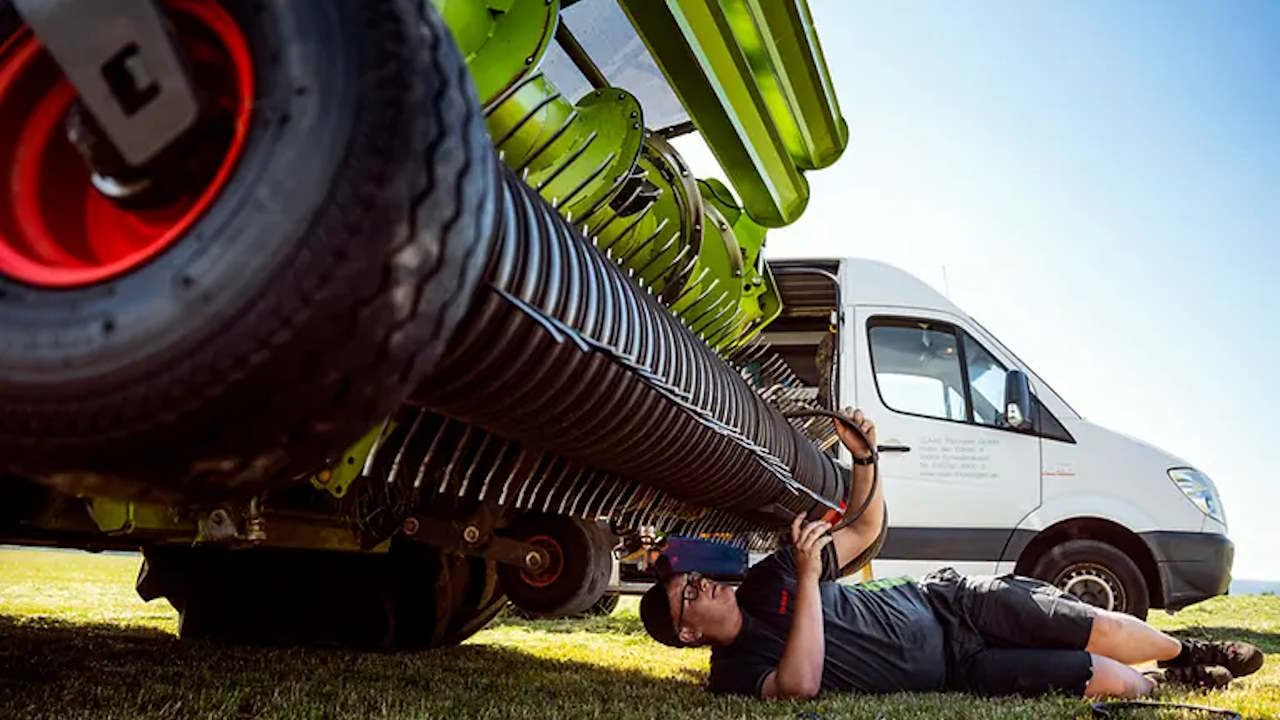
{"x":528,"y":160}
{"x":709,"y":309}
{"x":735,"y":321}
{"x":626,"y":259}
{"x":587,"y":181}
{"x":616,"y":488}
{"x":594,"y":482}
{"x":551,"y":491}
{"x":506,"y":94}
{"x":484,"y":489}
{"x":533,"y":495}
{"x":601,"y":204}
{"x":644,"y":514}
{"x":431,"y":450}
{"x":453,"y":461}
{"x":566,"y":162}
{"x":404,"y":445}
{"x":658,"y":255}
{"x":574,"y":489}
{"x":524,"y":487}
{"x":586,"y":509}
{"x":502,"y":496}
{"x":682,"y":272}
{"x":635,"y":487}
{"x":629,"y":228}
{"x":692,"y":286}
{"x":497,"y":463}
{"x":367,"y":470}
{"x":675,"y":261}
{"x":525,"y":118}
{"x":711,"y":286}
{"x":719,"y":332}
{"x":587,"y":482}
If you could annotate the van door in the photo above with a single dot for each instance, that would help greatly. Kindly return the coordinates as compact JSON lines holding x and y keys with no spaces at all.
{"x":957,"y":478}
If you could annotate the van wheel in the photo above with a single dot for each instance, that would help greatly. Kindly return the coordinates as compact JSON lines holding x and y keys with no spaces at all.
{"x":1097,"y":573}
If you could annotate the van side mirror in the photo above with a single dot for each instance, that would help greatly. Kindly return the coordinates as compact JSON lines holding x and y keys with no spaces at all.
{"x":1017,"y":400}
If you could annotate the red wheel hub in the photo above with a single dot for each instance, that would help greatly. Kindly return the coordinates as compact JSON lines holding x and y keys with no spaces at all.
{"x":56,"y":229}
{"x":555,"y":564}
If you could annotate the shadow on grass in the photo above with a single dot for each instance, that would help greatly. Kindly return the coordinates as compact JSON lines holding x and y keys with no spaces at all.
{"x":1268,"y":642}
{"x":55,"y":669}
{"x":615,"y":624}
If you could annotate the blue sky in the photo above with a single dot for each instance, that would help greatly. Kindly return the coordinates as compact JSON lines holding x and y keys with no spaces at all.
{"x":1101,"y":182}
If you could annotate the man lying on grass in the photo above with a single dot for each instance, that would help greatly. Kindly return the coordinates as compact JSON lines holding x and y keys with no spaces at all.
{"x":791,"y":631}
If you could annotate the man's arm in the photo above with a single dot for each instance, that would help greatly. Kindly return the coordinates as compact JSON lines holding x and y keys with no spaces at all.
{"x":799,"y":673}
{"x":853,"y":539}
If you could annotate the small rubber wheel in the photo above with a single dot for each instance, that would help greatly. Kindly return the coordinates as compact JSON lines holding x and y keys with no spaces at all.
{"x":1097,"y":573}
{"x":271,"y":313}
{"x":576,"y":577}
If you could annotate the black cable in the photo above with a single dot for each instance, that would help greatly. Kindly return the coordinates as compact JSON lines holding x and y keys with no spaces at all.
{"x":1106,"y":708}
{"x":849,"y":517}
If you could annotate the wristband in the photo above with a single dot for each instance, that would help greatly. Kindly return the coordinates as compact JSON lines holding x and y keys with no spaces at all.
{"x":868,"y":460}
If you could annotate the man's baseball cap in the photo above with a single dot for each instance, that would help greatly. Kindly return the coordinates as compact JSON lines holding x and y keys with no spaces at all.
{"x":655,"y":607}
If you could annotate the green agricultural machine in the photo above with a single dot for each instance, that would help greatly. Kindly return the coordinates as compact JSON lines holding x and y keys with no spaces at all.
{"x":360,"y":318}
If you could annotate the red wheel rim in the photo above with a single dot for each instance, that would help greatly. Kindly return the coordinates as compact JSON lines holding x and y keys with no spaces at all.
{"x":555,"y":564}
{"x":56,"y":229}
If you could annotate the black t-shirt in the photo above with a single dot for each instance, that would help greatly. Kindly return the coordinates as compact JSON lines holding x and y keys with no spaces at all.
{"x":880,"y":636}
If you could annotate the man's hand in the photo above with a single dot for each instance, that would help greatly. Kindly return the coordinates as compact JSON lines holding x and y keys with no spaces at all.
{"x":850,"y":439}
{"x":809,"y":539}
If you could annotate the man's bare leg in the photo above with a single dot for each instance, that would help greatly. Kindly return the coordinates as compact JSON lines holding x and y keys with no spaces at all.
{"x":1115,"y":679}
{"x":1129,"y":640}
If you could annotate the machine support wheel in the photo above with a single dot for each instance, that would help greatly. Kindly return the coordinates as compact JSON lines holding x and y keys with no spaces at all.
{"x":577,"y":575}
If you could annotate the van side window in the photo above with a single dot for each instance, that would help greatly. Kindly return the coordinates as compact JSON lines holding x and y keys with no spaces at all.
{"x":1048,"y":426}
{"x":917,"y":370}
{"x":986,"y":379}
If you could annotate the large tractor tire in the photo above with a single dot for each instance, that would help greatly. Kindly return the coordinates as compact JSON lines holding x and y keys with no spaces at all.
{"x":411,"y":598}
{"x":285,"y":296}
{"x":577,"y":576}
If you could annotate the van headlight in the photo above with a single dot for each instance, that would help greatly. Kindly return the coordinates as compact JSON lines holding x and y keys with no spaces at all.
{"x":1199,"y":489}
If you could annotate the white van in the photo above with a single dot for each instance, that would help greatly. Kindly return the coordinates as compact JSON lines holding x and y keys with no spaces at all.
{"x":1115,"y":521}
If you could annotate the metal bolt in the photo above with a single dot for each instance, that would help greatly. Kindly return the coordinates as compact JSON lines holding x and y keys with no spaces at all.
{"x":528,"y":60}
{"x":533,"y":560}
{"x":471,"y":533}
{"x":219,"y":517}
{"x":410,"y":526}
{"x":323,"y":476}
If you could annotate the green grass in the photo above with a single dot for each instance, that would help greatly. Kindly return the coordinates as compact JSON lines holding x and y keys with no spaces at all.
{"x":76,"y":642}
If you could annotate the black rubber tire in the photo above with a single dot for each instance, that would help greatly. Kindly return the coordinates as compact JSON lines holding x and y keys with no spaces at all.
{"x":274,"y":597}
{"x":587,"y":562}
{"x":412,"y":598}
{"x":325,"y":280}
{"x":1106,"y":562}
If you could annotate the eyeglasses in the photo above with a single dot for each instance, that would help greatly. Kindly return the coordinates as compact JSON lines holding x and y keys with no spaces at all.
{"x":688,"y":594}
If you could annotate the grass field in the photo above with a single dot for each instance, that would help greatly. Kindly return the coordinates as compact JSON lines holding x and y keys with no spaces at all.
{"x":76,"y":642}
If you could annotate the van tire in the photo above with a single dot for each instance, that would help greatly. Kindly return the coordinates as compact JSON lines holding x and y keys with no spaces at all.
{"x":1096,"y":572}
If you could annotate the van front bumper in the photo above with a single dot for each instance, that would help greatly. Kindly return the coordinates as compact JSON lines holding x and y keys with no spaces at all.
{"x":1193,"y":566}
